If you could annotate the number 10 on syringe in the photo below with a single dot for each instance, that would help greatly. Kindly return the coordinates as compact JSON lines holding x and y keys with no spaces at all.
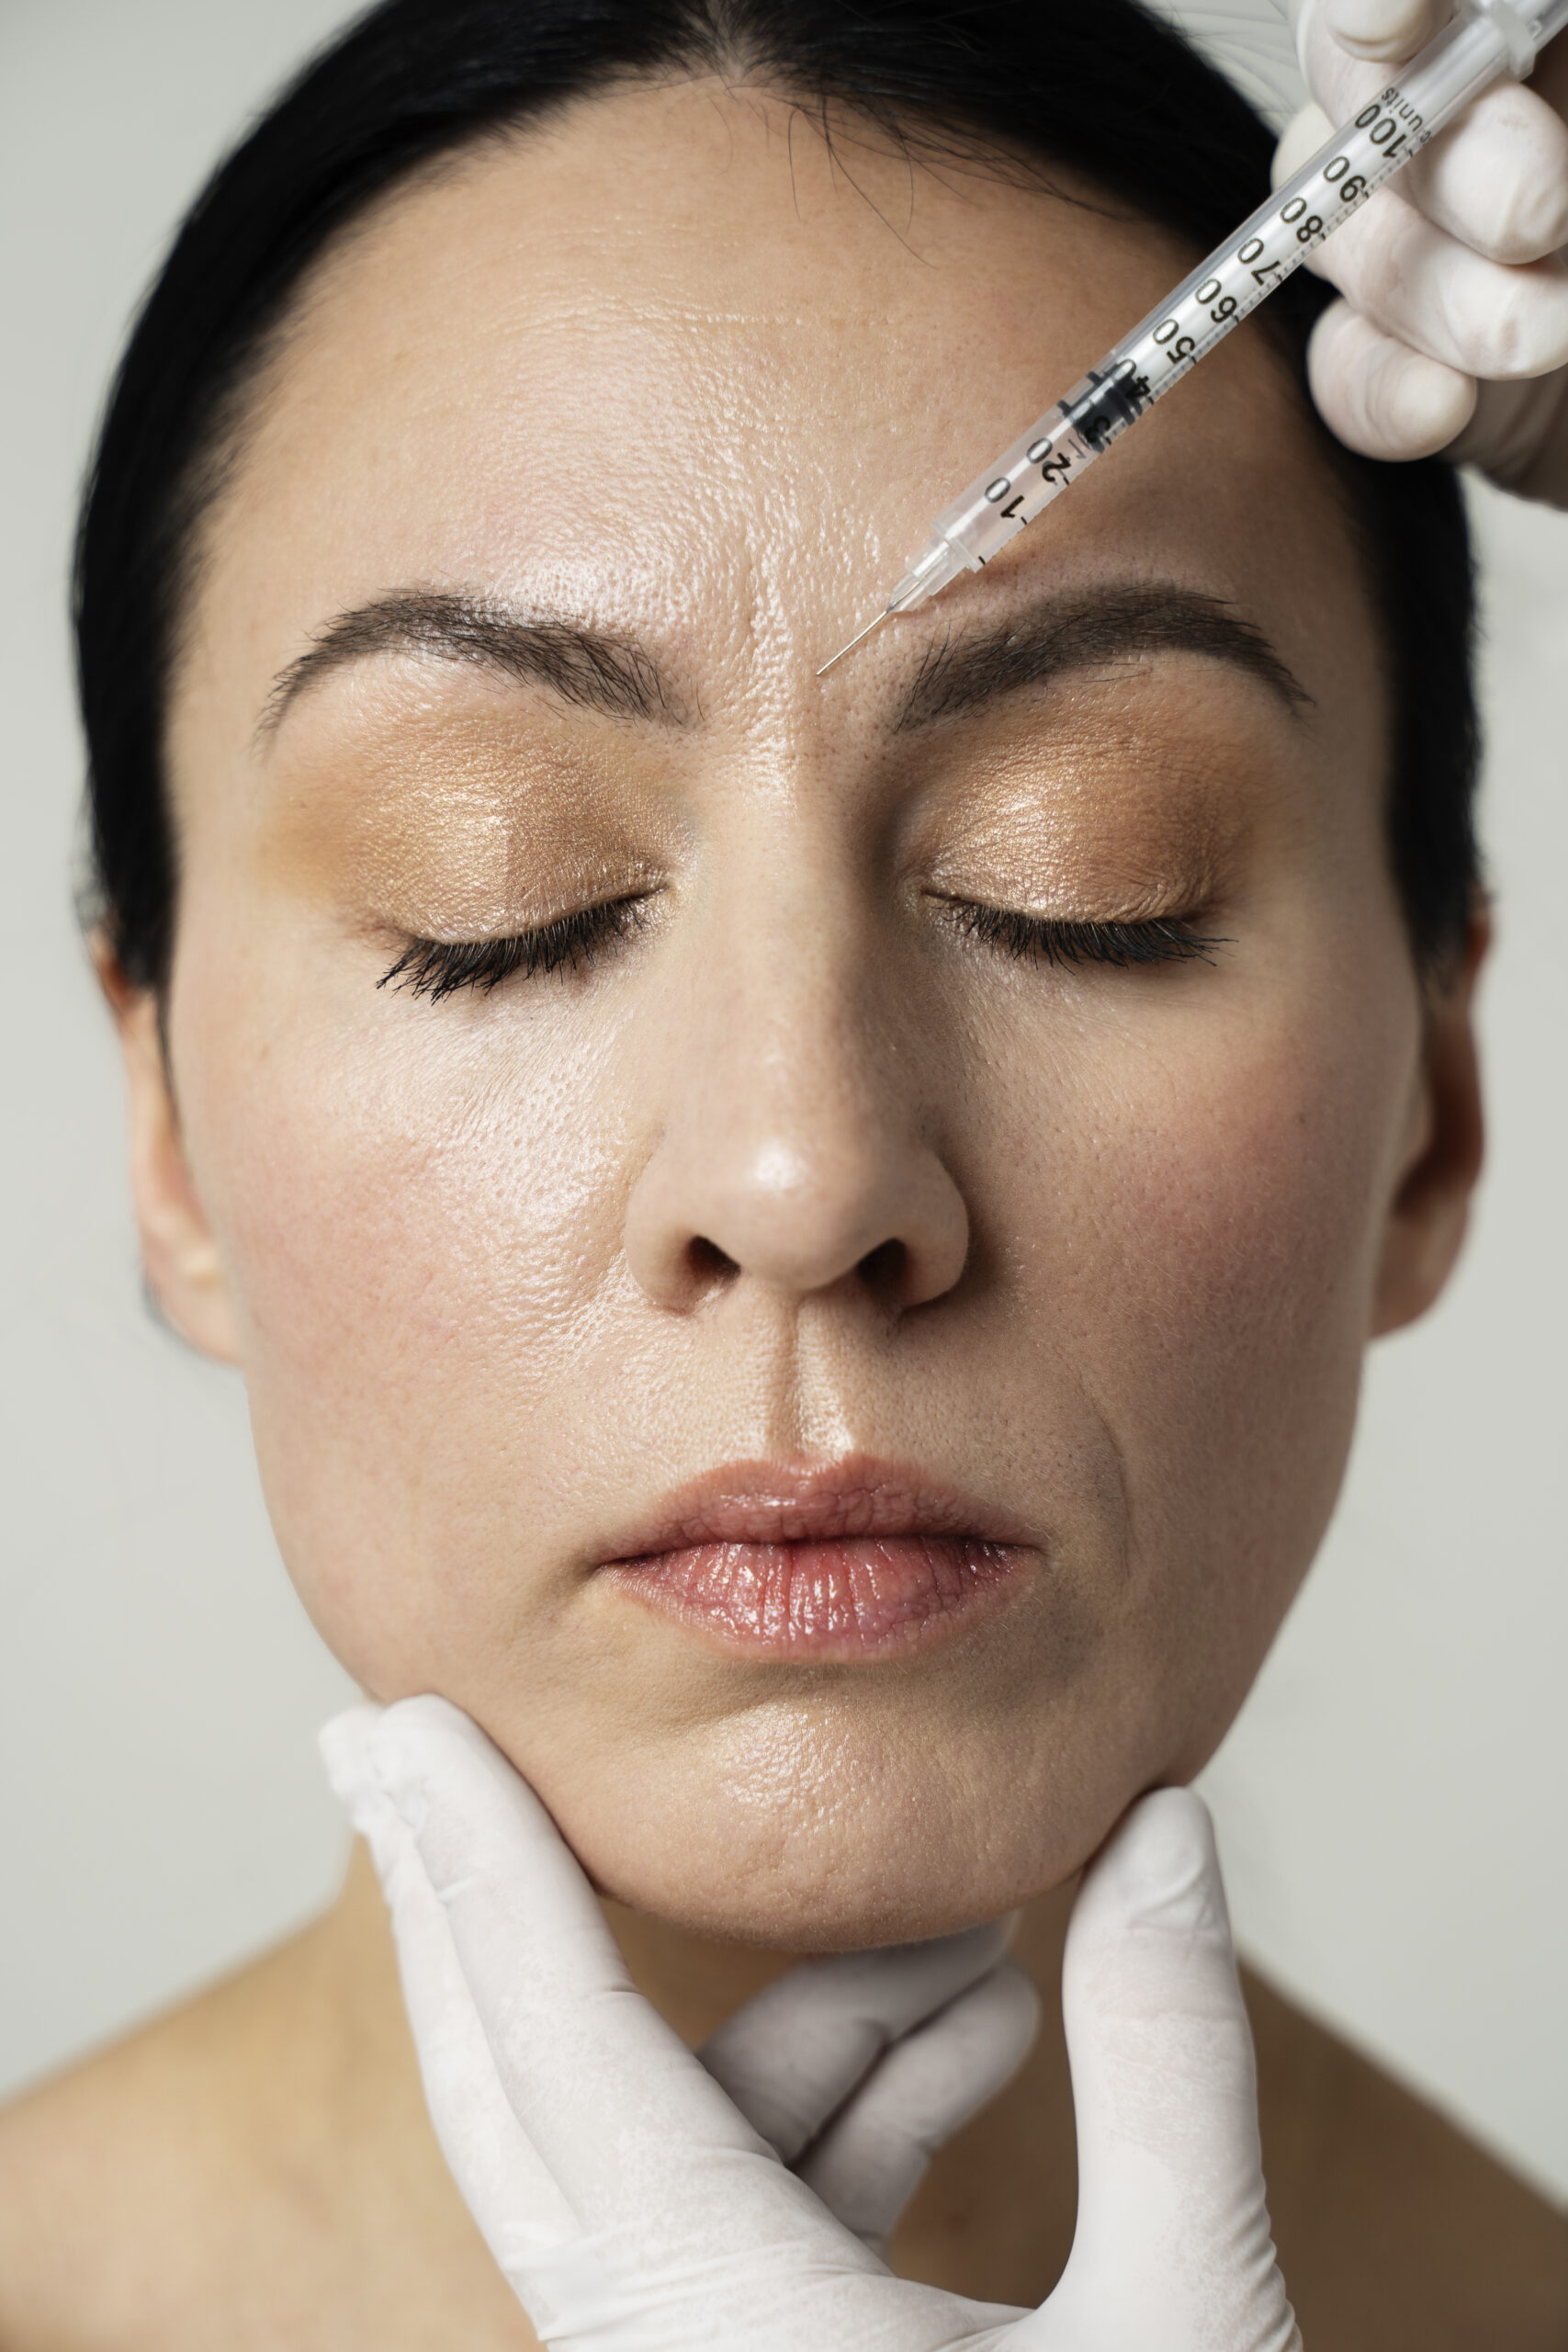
{"x":1047,"y":459}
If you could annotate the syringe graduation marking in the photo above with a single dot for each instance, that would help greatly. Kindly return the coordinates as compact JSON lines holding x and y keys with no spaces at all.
{"x":1201,"y":313}
{"x":1268,"y":247}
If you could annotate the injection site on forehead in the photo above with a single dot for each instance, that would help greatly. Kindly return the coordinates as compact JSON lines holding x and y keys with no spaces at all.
{"x":957,"y":669}
{"x":1104,"y":753}
{"x":511,"y":678}
{"x":478,"y":393}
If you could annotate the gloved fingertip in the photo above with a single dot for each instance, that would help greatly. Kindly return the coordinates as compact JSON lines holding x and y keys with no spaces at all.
{"x":379,"y":1759}
{"x":1016,"y":2003}
{"x":1427,"y":407}
{"x":349,"y":1747}
{"x":346,"y":1745}
{"x":1381,"y":29}
{"x":1160,"y":1868}
{"x":419,"y":1740}
{"x":1378,"y":396}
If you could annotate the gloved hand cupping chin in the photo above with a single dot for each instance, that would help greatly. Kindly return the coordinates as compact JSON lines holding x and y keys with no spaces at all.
{"x":642,"y":2199}
{"x":1453,"y":330}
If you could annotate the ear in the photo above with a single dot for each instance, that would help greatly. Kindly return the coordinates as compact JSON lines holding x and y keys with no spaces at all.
{"x":184,"y":1269}
{"x":1430,"y":1207}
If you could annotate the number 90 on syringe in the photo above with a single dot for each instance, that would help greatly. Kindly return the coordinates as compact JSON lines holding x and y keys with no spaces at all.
{"x":1275,"y":241}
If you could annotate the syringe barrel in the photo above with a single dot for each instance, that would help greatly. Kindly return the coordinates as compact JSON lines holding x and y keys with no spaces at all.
{"x":1450,"y":73}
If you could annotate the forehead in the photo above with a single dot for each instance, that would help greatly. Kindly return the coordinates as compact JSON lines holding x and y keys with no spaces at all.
{"x":676,"y":358}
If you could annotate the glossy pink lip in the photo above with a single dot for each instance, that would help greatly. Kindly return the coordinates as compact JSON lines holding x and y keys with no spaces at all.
{"x":848,"y":1560}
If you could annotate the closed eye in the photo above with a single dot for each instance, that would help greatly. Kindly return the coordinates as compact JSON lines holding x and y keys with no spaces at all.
{"x":438,"y":967}
{"x":1047,"y":939}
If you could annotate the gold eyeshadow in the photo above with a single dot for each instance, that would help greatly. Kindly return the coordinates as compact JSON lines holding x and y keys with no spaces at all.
{"x":1138,"y":796}
{"x":457,"y":825}
{"x":1081,"y":837}
{"x":468,"y":815}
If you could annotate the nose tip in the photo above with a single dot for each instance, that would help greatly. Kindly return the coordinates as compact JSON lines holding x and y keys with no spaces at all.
{"x":798,"y":1221}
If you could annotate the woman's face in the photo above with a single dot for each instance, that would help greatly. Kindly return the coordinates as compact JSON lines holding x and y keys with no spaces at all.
{"x":964,"y":1336}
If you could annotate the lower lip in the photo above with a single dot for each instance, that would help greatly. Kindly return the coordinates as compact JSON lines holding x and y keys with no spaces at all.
{"x":833,"y":1601}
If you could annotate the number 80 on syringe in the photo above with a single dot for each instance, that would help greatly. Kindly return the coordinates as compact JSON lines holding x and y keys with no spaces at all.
{"x":1279,"y":237}
{"x":1275,"y":241}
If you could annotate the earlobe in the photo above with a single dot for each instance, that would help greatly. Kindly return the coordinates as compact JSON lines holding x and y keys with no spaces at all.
{"x":185,"y":1269}
{"x":1430,"y":1204}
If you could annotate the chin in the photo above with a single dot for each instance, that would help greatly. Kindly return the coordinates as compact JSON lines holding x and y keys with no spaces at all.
{"x":896,"y":1859}
{"x":855,"y":1904}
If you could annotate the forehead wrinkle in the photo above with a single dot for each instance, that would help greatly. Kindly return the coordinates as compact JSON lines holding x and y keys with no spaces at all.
{"x":604,"y":670}
{"x":1084,"y":631}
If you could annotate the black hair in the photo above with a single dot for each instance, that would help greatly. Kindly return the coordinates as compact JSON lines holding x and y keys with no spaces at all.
{"x":1107,"y":91}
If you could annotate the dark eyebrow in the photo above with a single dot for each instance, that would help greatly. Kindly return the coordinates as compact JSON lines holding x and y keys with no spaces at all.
{"x":592,"y":669}
{"x":1084,"y":632}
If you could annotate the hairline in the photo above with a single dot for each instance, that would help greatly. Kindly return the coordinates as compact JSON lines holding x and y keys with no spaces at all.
{"x":258,"y":359}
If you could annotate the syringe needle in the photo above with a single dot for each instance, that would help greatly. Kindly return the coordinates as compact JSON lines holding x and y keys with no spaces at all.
{"x":849,"y":647}
{"x":1487,"y":40}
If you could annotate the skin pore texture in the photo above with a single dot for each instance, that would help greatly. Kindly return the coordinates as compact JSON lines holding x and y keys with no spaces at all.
{"x":813,"y":1161}
{"x":800,"y":1171}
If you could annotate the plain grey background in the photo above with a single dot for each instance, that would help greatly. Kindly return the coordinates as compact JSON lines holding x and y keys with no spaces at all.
{"x":1392,"y":1801}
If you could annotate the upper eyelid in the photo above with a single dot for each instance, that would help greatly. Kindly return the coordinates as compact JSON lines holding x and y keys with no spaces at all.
{"x":429,"y":966}
{"x":1172,"y":938}
{"x":422,"y":958}
{"x":628,"y":898}
{"x":951,"y":898}
{"x":1190,"y":907}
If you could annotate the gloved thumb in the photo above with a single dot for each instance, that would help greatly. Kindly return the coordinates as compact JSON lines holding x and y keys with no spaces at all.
{"x":1173,"y":2244}
{"x":1379,"y":30}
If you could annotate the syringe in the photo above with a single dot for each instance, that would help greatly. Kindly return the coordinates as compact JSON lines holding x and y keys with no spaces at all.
{"x":1488,"y":38}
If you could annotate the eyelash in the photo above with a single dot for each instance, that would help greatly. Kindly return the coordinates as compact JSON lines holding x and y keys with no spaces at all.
{"x":438,"y":969}
{"x":1044,"y":939}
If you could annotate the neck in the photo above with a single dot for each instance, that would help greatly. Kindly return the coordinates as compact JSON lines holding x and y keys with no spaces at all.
{"x":993,"y":2218}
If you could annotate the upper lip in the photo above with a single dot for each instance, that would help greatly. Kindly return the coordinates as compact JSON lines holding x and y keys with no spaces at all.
{"x":773,"y":1502}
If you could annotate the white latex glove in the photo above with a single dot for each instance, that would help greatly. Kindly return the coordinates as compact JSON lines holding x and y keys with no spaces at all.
{"x":856,"y":2070}
{"x":1454,"y":331}
{"x":634,"y":2208}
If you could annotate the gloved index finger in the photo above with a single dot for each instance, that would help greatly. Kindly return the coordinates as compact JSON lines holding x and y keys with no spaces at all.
{"x":1496,"y":178}
{"x":641,"y":2140}
{"x":1173,"y":2241}
{"x":507,"y":2189}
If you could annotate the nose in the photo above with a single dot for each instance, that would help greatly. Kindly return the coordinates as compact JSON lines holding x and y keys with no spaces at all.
{"x":790,"y":1155}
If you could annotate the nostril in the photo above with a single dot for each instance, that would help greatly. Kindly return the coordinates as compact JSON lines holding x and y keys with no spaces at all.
{"x":883,"y":1270}
{"x":710,"y":1265}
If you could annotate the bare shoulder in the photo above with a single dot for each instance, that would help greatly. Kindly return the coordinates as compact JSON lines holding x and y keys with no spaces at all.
{"x":118,"y":2179}
{"x":1396,"y":2233}
{"x":243,"y":2171}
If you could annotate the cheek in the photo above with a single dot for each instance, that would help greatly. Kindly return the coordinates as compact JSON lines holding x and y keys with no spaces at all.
{"x":1204,"y":1250}
{"x":421,"y":1215}
{"x":1176,"y":1213}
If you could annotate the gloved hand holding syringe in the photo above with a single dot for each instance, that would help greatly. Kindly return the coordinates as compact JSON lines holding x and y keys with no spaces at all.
{"x":1488,"y":40}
